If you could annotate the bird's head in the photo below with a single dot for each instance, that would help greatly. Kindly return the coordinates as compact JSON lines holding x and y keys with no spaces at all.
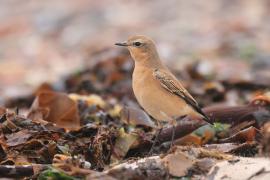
{"x":141,"y":48}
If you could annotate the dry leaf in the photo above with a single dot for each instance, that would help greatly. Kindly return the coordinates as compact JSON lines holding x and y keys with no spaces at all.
{"x":18,"y":138}
{"x":225,"y":147}
{"x":190,"y":139}
{"x":123,"y":143}
{"x":57,"y":108}
{"x":245,"y":135}
{"x":178,"y":164}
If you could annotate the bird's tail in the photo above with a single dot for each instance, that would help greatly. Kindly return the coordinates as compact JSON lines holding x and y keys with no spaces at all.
{"x":205,"y":117}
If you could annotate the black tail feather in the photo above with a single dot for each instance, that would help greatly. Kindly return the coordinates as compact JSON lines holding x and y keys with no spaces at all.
{"x":205,"y":117}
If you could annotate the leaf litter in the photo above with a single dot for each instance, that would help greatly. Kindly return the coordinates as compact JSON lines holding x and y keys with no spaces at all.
{"x":75,"y":135}
{"x":88,"y":124}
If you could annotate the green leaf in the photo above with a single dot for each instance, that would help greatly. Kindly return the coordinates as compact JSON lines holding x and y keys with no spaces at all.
{"x":54,"y":174}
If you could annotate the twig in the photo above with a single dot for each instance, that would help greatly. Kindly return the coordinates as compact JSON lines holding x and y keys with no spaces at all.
{"x":21,"y":171}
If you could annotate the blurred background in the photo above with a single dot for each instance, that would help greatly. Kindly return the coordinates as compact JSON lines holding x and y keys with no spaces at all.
{"x":44,"y":41}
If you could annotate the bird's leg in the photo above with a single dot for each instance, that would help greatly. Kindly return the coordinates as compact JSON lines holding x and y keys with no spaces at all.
{"x":159,"y":129}
{"x":173,"y":122}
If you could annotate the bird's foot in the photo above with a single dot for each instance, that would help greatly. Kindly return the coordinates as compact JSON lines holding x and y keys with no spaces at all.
{"x":150,"y":153}
{"x":173,"y":135}
{"x":171,"y":145}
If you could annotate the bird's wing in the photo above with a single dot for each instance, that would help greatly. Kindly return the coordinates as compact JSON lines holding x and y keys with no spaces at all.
{"x":171,"y":84}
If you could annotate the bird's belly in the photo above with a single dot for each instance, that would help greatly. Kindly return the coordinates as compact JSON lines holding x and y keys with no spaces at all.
{"x":158,"y":102}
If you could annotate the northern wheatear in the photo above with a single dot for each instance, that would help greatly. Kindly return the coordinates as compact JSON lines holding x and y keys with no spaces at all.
{"x":156,"y":89}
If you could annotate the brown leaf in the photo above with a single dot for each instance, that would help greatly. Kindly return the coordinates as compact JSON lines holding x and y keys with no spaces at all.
{"x":178,"y":164}
{"x":224,"y":147}
{"x":9,"y":126}
{"x":18,"y":138}
{"x":190,"y":139}
{"x":202,"y":166}
{"x":245,"y":135}
{"x":245,"y":149}
{"x":2,"y":111}
{"x":57,"y":108}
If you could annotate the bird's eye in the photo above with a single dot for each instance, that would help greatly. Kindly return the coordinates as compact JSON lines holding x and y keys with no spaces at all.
{"x":137,"y":44}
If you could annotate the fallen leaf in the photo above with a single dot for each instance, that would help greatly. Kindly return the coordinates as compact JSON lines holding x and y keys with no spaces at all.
{"x":178,"y":164}
{"x":190,"y":139}
{"x":142,"y":168}
{"x":8,"y":125}
{"x":245,"y":135}
{"x":224,"y":147}
{"x":123,"y":143}
{"x":18,"y":138}
{"x":205,"y":153}
{"x":202,"y":166}
{"x":100,"y":148}
{"x":247,"y":149}
{"x":54,"y":174}
{"x":57,"y":108}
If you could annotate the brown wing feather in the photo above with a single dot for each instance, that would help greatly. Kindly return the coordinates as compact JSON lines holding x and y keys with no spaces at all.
{"x":170,"y":83}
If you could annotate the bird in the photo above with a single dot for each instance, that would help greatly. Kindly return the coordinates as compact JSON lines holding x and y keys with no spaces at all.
{"x":155,"y":87}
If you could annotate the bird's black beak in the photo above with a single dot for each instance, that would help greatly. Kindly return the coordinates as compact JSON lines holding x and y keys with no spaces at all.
{"x":121,"y":44}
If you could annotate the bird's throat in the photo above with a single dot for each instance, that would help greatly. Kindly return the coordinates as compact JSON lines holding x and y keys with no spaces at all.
{"x":148,"y":61}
